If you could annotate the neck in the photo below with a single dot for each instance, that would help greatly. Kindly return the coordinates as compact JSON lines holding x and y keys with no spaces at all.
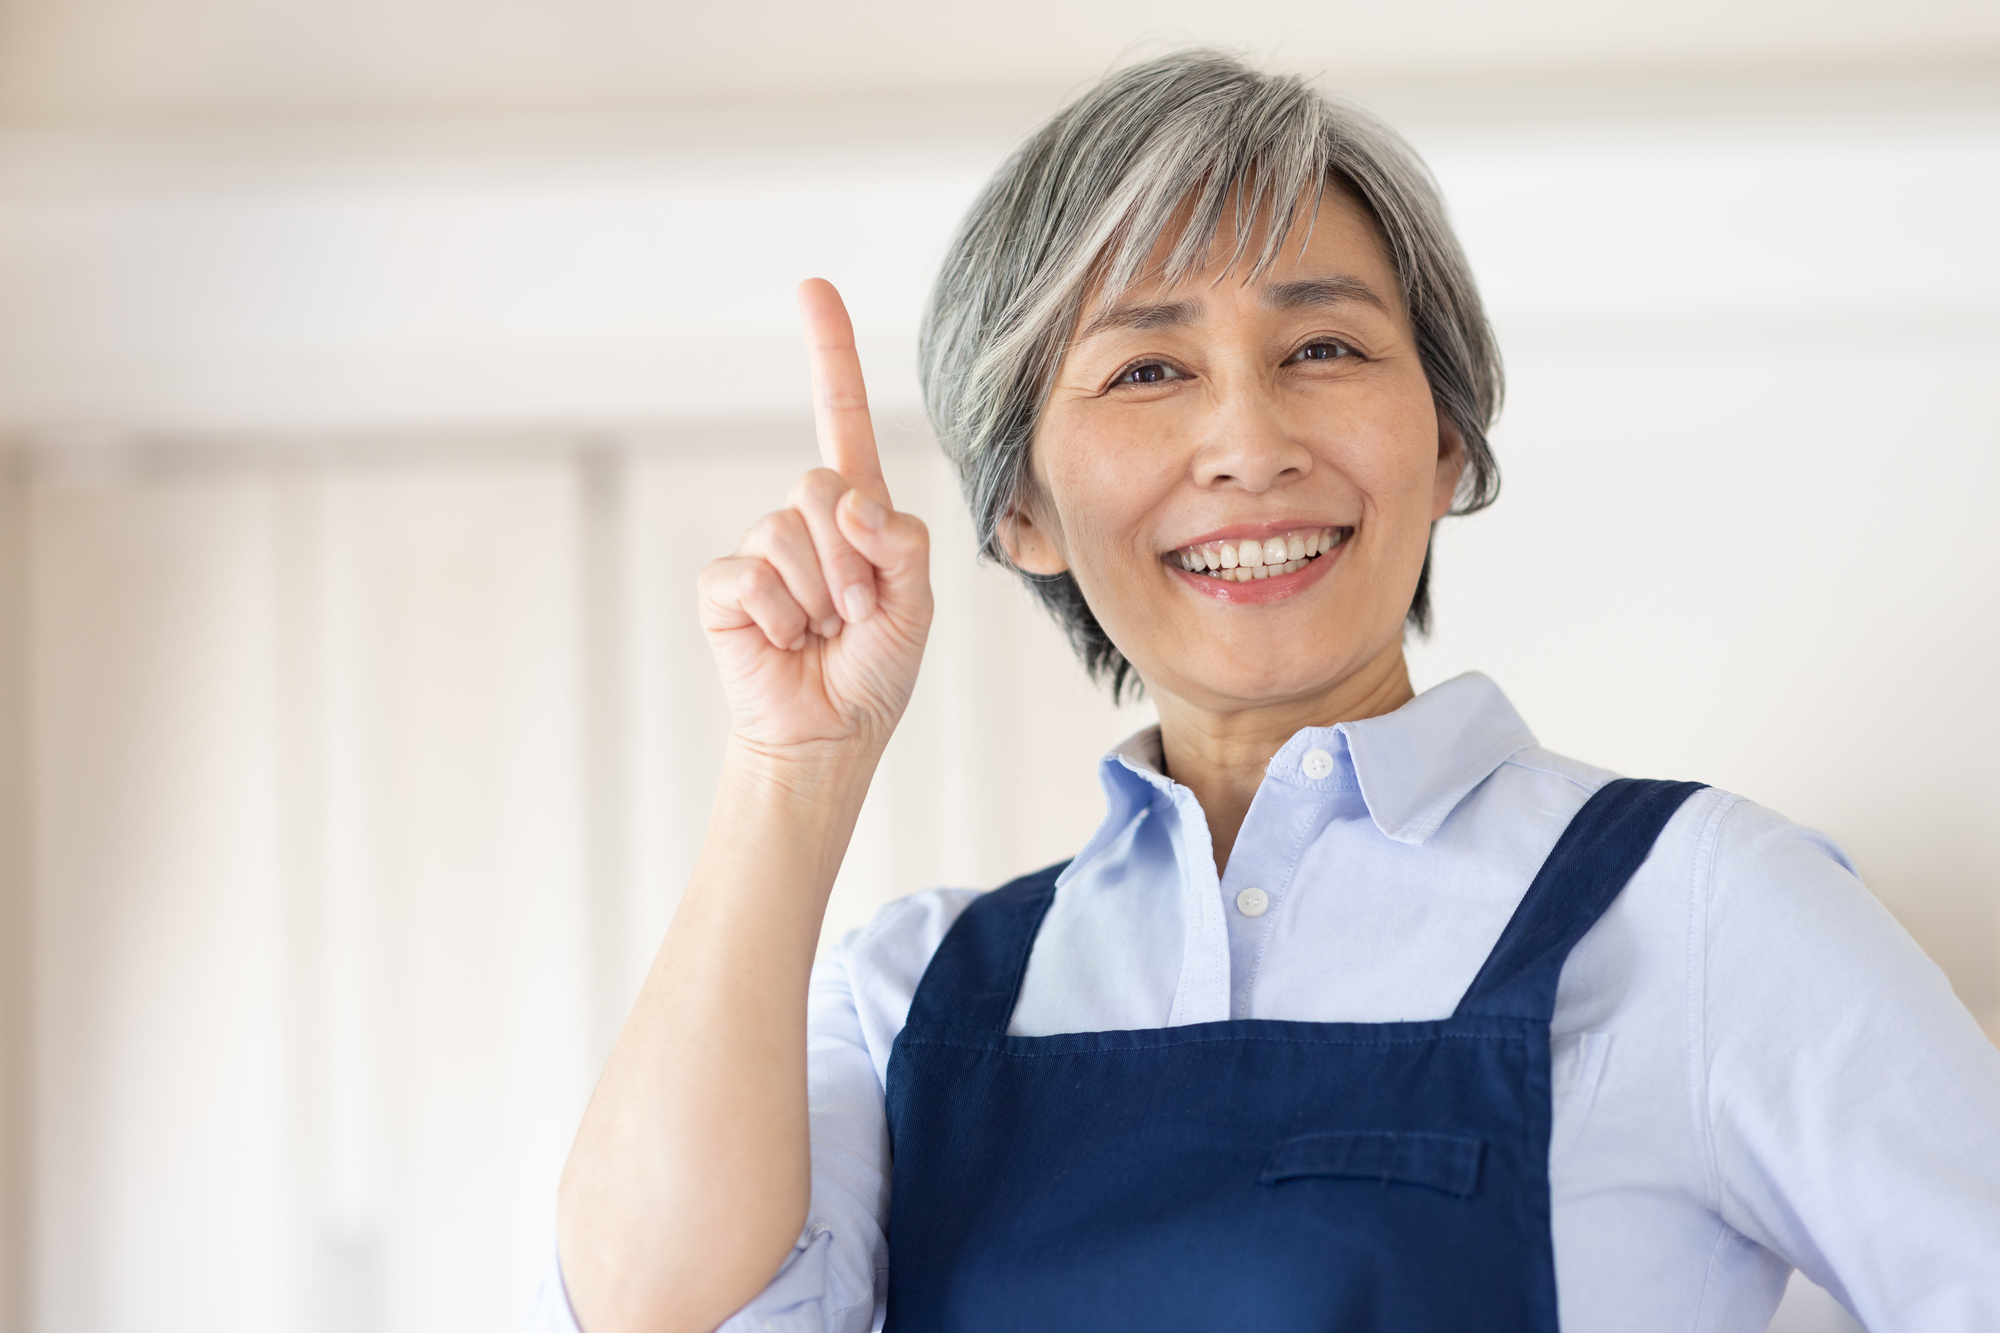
{"x":1220,"y":753}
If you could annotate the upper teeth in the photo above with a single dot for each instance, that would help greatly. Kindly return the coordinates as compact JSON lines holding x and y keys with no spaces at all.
{"x":1253,"y":559}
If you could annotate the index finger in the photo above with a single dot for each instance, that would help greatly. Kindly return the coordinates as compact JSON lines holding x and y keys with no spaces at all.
{"x":840,"y":399}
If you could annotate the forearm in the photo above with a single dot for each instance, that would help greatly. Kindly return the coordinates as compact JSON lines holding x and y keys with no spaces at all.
{"x":690,"y":1176}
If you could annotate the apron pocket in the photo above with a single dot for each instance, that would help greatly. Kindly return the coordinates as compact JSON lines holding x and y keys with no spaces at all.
{"x":1447,"y":1162}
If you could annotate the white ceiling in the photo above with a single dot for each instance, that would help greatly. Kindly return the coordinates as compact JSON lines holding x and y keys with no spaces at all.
{"x":254,"y":214}
{"x":71,"y":61}
{"x":284,"y":284}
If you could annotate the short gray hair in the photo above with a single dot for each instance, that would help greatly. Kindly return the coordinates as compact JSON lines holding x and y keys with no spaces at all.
{"x":1085,"y":201}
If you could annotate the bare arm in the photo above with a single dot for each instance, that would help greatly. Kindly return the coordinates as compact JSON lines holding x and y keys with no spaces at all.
{"x":689,"y":1179}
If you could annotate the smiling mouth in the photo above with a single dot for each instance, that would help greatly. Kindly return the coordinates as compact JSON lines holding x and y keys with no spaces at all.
{"x":1286,"y":553}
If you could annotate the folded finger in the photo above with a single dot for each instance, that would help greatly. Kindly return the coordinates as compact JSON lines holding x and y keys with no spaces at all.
{"x":739,"y":591}
{"x":783,"y":540}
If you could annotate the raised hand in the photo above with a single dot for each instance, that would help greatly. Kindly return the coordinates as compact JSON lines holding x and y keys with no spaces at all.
{"x":818,"y":619}
{"x":691,"y":1173}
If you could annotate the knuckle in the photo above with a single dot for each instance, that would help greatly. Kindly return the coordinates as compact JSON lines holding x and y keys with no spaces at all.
{"x":818,"y":488}
{"x":721,"y":576}
{"x":789,"y":533}
{"x":756,"y":579}
{"x":909,"y":533}
{"x":770,"y":529}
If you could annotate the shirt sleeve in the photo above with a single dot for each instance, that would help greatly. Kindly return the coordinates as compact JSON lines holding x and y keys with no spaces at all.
{"x":834,"y":1279}
{"x":798,"y":1297}
{"x":549,"y":1312}
{"x":1853,"y":1103}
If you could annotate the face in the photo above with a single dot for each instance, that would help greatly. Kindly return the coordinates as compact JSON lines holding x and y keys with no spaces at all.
{"x":1242,"y":478}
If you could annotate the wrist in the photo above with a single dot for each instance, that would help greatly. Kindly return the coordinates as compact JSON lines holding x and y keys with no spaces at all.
{"x":823,"y":777}
{"x":795,"y":807}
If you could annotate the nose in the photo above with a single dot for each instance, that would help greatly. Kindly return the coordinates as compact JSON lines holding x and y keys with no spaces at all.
{"x":1244,"y":444}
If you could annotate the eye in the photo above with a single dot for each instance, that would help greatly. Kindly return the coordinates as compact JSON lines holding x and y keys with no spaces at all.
{"x":1147,"y":372}
{"x":1324,"y":349}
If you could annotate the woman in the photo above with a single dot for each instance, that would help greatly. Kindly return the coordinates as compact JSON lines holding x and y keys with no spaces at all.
{"x":1360,"y":1010}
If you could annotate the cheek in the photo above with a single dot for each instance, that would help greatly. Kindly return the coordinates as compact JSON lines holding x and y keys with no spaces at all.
{"x":1398,"y":469}
{"x":1079,"y":454}
{"x":1100,"y":486}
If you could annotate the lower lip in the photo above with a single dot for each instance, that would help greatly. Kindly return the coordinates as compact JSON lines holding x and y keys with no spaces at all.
{"x":1257,"y":592}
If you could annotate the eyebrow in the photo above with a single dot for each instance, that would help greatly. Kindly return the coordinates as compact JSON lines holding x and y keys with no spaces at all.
{"x":1340,"y":289}
{"x":1142,"y":315}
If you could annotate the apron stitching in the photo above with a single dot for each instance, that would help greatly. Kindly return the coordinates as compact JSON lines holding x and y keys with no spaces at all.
{"x":1701,"y":894}
{"x":972,"y":1044}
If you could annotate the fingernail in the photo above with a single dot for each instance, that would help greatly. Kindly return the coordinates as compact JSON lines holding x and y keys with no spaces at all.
{"x":796,"y":644}
{"x":859,"y":601}
{"x":829,"y":627}
{"x":868,"y":512}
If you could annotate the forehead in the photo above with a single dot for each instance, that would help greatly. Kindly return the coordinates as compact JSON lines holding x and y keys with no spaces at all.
{"x":1330,"y":253}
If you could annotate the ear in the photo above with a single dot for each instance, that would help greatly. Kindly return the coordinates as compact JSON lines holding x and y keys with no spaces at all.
{"x":1029,"y":544}
{"x":1450,"y":467}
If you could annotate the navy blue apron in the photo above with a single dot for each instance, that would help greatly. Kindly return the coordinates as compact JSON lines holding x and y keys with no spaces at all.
{"x":1248,"y":1174}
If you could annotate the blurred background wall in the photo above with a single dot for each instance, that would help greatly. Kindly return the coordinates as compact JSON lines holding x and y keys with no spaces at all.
{"x":374,"y":379}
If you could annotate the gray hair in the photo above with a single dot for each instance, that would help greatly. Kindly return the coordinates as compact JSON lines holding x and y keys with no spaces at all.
{"x":1086,"y":200}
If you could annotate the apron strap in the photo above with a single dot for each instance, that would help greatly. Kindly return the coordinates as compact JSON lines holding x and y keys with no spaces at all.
{"x":974,"y":978}
{"x":1598,"y":853}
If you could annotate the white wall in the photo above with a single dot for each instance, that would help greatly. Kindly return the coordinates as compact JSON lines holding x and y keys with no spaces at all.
{"x":366,"y":470}
{"x":71,"y":60}
{"x":364,"y":787}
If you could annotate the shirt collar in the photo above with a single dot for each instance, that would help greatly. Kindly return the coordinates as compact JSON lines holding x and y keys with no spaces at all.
{"x":1416,"y":764}
{"x":1412,"y":766}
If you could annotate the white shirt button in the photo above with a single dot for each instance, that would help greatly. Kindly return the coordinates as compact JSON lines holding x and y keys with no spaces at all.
{"x":1252,"y":902}
{"x":1317,"y":764}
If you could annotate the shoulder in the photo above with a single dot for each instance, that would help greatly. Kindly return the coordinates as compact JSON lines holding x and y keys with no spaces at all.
{"x":896,"y":945}
{"x":1716,"y":834}
{"x":1763,"y":902}
{"x":1756,"y":844}
{"x":864,"y":983}
{"x":1789,"y":952}
{"x":1539,"y":788}
{"x":1536,"y":766}
{"x":1786,"y":915}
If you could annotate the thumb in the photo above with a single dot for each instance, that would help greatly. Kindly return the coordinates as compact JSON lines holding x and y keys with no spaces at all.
{"x":896,"y":543}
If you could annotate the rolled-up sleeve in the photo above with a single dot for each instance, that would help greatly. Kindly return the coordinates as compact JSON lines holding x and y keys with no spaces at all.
{"x":1854,"y":1103}
{"x":834,"y":1279}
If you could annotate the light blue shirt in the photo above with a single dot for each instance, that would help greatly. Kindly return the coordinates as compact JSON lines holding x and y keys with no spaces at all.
{"x":1755,"y":1068}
